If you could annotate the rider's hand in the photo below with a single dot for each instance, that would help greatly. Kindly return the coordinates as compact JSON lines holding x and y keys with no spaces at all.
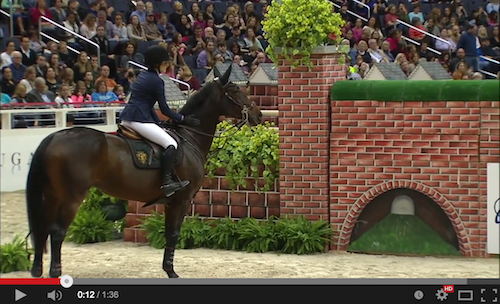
{"x":192,"y":121}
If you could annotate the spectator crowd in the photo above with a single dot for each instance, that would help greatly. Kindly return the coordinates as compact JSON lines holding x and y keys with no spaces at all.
{"x":459,"y":34}
{"x":199,"y":34}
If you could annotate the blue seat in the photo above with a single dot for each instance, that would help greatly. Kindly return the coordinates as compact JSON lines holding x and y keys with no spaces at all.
{"x":142,"y":47}
{"x":122,"y":6}
{"x":186,"y":7}
{"x":201,"y":74}
{"x":190,"y":61}
{"x":220,"y":7}
{"x":29,"y":3}
{"x":112,"y":44}
{"x":264,"y":43}
{"x":204,"y":4}
{"x":151,"y":43}
{"x":258,"y":7}
{"x":426,"y":9}
{"x":85,"y":4}
{"x":17,"y":43}
{"x":165,"y":7}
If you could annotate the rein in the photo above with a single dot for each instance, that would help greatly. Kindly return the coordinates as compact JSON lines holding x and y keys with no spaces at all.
{"x":238,"y":126}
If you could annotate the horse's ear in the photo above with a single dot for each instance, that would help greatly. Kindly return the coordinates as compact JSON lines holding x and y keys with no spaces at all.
{"x":225,"y":78}
{"x":217,"y":73}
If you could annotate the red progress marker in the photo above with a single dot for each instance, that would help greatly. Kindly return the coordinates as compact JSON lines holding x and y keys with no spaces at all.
{"x":34,"y":281}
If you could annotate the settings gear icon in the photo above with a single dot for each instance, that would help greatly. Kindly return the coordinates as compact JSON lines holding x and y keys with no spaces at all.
{"x":441,"y":295}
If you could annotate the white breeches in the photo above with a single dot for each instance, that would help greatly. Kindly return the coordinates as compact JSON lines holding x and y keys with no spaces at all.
{"x":152,"y":132}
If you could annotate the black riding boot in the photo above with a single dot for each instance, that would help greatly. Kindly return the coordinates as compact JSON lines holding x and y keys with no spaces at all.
{"x":169,"y":186}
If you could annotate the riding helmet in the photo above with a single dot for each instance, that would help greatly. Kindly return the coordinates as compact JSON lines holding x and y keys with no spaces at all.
{"x":155,"y":56}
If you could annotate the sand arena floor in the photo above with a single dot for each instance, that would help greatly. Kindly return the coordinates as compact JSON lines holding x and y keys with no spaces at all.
{"x":120,"y":259}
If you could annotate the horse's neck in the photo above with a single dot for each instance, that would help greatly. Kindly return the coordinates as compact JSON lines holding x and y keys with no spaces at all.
{"x":208,"y":125}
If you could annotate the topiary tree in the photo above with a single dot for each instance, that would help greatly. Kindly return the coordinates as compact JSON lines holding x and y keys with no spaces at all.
{"x":299,"y":26}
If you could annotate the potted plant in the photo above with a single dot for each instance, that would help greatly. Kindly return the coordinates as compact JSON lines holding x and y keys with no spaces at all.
{"x":248,"y":152}
{"x":294,"y":28}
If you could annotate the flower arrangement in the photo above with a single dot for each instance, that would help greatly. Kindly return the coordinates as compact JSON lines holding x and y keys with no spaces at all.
{"x":297,"y":27}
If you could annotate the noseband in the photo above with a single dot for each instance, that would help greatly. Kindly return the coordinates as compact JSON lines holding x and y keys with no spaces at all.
{"x":244,"y":108}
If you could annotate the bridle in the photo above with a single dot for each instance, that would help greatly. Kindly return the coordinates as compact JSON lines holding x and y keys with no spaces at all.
{"x":238,"y":126}
{"x":235,"y":128}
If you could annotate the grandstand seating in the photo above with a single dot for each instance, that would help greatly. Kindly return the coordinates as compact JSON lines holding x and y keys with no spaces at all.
{"x":359,"y":60}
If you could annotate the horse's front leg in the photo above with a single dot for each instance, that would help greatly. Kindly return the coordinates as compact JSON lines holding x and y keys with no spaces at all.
{"x":174,"y":216}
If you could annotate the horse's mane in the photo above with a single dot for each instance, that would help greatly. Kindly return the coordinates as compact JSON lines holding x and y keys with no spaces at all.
{"x":195,"y":101}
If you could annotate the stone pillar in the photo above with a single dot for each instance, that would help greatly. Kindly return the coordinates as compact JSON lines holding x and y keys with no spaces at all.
{"x":304,"y":128}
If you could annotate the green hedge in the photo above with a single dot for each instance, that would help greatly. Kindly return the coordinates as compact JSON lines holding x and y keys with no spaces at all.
{"x":413,"y":90}
{"x":294,"y":235}
{"x":245,"y":153}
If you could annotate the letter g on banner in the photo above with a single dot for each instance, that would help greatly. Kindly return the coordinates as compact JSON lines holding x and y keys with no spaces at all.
{"x":16,"y":158}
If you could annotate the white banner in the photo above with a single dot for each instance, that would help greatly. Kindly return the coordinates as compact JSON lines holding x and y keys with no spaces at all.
{"x":16,"y":150}
{"x":493,"y":196}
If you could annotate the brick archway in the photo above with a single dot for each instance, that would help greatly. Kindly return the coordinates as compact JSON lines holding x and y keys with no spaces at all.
{"x":347,"y":227}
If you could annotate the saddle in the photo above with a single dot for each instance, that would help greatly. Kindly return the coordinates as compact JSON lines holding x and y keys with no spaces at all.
{"x":145,"y":153}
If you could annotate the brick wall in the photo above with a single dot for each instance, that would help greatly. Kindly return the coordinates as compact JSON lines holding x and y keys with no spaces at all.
{"x":214,"y":200}
{"x":266,"y":98}
{"x":304,"y":123}
{"x":437,"y":148}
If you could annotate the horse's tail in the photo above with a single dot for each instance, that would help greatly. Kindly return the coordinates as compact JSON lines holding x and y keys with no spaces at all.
{"x":37,"y":178}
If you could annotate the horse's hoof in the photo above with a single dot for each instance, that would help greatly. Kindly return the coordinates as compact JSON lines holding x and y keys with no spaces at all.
{"x":36,"y":272}
{"x":55,"y":272}
{"x":172,"y":275}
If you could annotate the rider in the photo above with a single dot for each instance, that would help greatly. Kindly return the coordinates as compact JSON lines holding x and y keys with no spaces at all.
{"x":139,"y":114}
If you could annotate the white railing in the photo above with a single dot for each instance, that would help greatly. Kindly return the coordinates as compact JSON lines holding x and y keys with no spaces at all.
{"x":171,"y":78}
{"x":140,"y":66}
{"x":488,"y":73}
{"x":418,"y":43}
{"x":45,"y":19}
{"x":425,"y":33}
{"x":57,"y":41}
{"x":4,"y":13}
{"x":492,"y":61}
{"x":368,"y":9}
{"x":351,"y":12}
{"x":8,"y":15}
{"x":60,"y":115}
{"x":11,"y":20}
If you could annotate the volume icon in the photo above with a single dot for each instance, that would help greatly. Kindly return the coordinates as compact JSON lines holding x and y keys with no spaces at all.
{"x":55,"y":295}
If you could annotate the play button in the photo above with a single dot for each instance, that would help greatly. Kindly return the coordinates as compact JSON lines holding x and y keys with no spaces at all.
{"x":18,"y":295}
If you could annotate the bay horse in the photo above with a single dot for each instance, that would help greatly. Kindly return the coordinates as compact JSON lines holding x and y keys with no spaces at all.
{"x":69,"y":162}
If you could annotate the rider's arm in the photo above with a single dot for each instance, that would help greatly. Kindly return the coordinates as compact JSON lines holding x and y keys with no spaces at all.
{"x":155,"y":115}
{"x":162,"y":102}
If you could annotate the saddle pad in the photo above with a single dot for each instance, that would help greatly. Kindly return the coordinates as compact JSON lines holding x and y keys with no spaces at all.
{"x":143,"y":155}
{"x":146,"y":155}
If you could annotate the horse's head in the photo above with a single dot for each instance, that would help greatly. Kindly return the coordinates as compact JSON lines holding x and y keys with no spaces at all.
{"x":235,"y":103}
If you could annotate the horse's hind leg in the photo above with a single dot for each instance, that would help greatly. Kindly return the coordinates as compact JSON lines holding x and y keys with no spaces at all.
{"x":58,"y":232}
{"x":57,"y":235}
{"x":49,"y":216}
